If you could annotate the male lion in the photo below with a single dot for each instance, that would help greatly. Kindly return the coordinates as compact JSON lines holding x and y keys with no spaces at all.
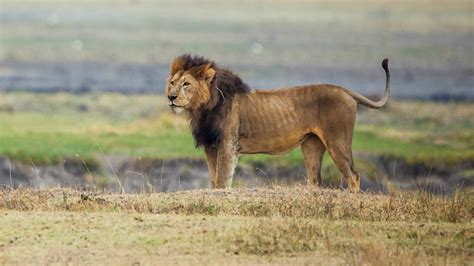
{"x":228,"y":119}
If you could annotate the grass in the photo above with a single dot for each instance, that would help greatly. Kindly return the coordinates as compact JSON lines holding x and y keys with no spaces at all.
{"x":44,"y":128}
{"x":278,"y":225}
{"x":296,"y":202}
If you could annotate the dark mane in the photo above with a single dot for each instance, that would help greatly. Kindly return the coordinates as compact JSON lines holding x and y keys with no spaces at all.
{"x":206,"y":123}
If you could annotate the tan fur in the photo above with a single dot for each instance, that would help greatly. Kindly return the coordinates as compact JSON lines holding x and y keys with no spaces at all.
{"x":318,"y":118}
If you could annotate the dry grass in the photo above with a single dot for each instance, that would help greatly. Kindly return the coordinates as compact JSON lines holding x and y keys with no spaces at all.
{"x":298,"y":202}
{"x":375,"y":243}
{"x":278,"y":225}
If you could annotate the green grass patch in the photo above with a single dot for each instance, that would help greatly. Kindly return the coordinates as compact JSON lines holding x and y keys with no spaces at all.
{"x":43,"y":128}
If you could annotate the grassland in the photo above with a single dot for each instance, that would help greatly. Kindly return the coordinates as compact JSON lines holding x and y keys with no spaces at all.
{"x":279,"y":225}
{"x":43,"y":128}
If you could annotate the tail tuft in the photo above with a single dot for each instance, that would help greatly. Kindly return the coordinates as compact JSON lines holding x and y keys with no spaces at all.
{"x":369,"y":103}
{"x":385,"y":64}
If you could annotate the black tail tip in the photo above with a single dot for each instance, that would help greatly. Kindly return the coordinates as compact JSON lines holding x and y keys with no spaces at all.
{"x":385,"y":63}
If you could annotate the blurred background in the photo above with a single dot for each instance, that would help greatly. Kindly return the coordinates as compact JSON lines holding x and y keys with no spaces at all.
{"x":127,"y":46}
{"x":81,"y":85}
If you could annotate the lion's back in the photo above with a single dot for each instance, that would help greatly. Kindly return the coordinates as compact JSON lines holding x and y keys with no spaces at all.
{"x":301,"y":97}
{"x":283,"y":111}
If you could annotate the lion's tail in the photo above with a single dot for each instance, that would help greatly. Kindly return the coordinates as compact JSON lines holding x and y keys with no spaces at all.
{"x":369,"y":103}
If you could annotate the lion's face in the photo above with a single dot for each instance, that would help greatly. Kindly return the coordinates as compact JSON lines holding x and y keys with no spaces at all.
{"x":181,"y":89}
{"x":190,"y":89}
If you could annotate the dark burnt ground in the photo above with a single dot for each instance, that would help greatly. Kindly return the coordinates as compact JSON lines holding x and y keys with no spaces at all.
{"x":159,"y":175}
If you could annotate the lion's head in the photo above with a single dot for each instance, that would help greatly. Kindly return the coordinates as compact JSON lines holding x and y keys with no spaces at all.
{"x":206,"y":91}
{"x":189,"y":85}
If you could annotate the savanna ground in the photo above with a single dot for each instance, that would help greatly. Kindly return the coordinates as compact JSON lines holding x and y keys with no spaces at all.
{"x":278,"y":225}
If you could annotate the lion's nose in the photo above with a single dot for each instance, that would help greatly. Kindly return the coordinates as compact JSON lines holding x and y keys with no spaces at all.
{"x":172,"y":97}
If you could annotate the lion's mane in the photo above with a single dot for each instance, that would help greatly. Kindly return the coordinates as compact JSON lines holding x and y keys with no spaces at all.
{"x":206,"y":121}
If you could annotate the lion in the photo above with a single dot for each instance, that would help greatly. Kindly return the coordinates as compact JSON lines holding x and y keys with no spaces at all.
{"x":228,"y":119}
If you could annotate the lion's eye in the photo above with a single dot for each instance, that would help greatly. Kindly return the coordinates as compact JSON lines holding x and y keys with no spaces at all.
{"x":185,"y":84}
{"x":172,"y":83}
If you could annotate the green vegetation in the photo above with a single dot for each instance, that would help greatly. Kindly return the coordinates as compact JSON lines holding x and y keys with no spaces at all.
{"x":43,"y":128}
{"x":278,"y":225}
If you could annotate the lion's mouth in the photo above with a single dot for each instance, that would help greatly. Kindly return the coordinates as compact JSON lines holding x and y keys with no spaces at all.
{"x":172,"y":104}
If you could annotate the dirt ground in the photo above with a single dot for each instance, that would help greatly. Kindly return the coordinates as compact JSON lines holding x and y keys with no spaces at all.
{"x":279,"y":225}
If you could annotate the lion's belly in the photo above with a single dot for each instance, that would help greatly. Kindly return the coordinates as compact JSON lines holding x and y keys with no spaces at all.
{"x":271,"y":145}
{"x":272,"y":123}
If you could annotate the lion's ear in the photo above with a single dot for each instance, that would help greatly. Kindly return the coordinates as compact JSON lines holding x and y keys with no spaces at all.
{"x":209,"y":73}
{"x":204,"y":72}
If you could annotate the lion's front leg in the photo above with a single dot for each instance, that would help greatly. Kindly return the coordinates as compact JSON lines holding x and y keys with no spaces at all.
{"x":211,"y":156}
{"x":227,"y":157}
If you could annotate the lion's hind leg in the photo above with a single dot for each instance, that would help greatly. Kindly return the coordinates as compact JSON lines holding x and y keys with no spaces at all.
{"x":313,"y":151}
{"x":342,"y":157}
